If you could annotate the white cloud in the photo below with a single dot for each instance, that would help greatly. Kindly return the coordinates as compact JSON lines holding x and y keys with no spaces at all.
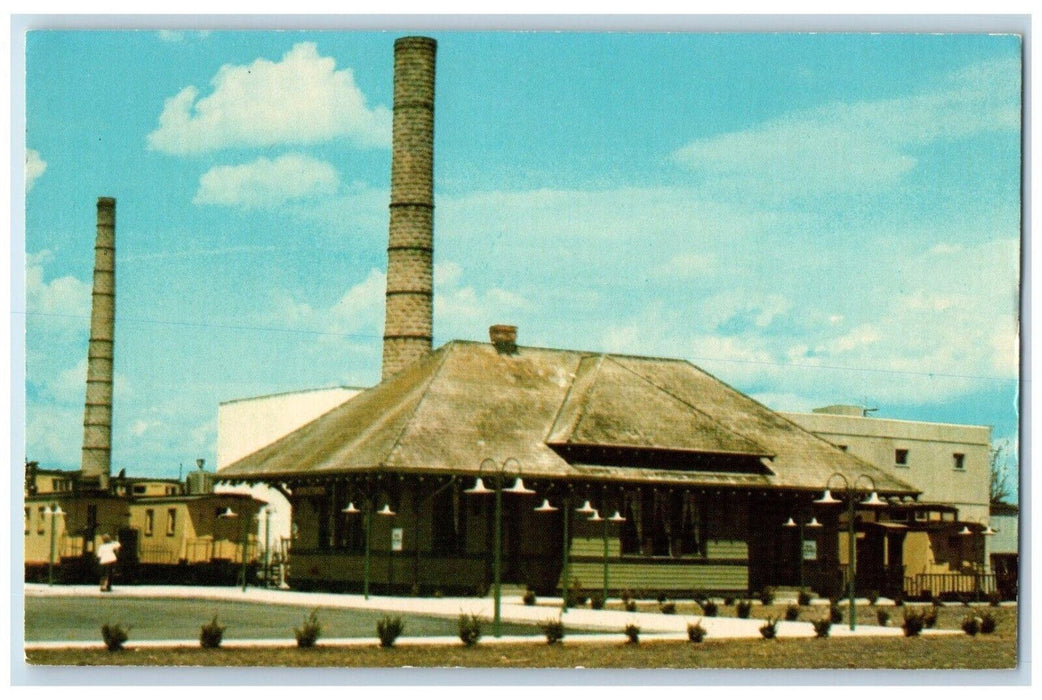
{"x":59,"y":305}
{"x":847,"y":147}
{"x":267,"y":183}
{"x":301,"y":99}
{"x":34,"y":167}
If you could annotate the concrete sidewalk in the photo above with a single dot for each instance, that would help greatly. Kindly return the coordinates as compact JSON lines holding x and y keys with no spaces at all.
{"x":653,"y":625}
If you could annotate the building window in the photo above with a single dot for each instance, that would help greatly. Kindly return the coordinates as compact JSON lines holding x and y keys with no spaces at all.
{"x":43,"y":516}
{"x":687,"y":525}
{"x":139,"y":490}
{"x":150,"y":521}
{"x":901,"y":458}
{"x":28,"y":516}
{"x":959,"y":461}
{"x":171,"y":521}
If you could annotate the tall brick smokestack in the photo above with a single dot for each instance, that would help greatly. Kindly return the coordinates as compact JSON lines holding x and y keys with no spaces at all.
{"x":97,"y":413}
{"x":408,"y":315}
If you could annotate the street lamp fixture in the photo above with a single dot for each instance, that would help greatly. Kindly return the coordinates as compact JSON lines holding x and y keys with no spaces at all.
{"x":55,"y":511}
{"x":367,"y":522}
{"x":497,"y":472}
{"x":851,"y":493}
{"x":586,"y":508}
{"x":545,"y":507}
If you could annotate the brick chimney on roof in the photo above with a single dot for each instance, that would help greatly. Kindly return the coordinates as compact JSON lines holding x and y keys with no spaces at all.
{"x":408,"y":314}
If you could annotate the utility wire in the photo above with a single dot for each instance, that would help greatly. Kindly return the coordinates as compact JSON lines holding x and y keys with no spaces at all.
{"x":367,"y":336}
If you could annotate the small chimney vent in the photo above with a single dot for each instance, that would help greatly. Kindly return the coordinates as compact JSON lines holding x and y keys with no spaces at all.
{"x":504,"y":338}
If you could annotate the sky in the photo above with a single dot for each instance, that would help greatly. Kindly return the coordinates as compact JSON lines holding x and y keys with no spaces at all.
{"x":812,"y":218}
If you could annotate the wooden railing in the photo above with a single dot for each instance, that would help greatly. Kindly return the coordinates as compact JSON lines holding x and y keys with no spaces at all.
{"x":156,"y":555}
{"x":938,"y":584}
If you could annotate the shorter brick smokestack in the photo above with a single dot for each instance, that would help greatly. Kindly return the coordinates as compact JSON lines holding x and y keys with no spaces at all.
{"x":504,"y":338}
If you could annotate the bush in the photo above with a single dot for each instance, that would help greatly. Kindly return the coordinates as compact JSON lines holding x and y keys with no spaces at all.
{"x":529,"y":597}
{"x":803,"y":597}
{"x":930,"y":618}
{"x":554,"y":630}
{"x":626,"y":596}
{"x":438,"y":593}
{"x":822,"y":627}
{"x":767,"y":595}
{"x":308,"y":632}
{"x":632,"y":633}
{"x":987,"y":623}
{"x":696,"y":632}
{"x":729,"y":601}
{"x":913,"y":623}
{"x":883,"y":618}
{"x":597,"y":600}
{"x":873,"y":596}
{"x":211,"y":634}
{"x":899,"y":600}
{"x":971,"y":625}
{"x":742,"y":608}
{"x":835,"y":614}
{"x":661,"y":597}
{"x":388,"y":629}
{"x":576,"y":597}
{"x":709,"y":608}
{"x":668,"y":608}
{"x":936,"y":601}
{"x":699,"y":597}
{"x":994,"y":599}
{"x":792,"y":612}
{"x":770,"y":628}
{"x":114,"y":636}
{"x":469,"y":629}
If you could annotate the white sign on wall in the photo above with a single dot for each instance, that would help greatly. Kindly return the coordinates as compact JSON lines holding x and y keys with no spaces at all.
{"x":810,"y":550}
{"x":396,"y":539}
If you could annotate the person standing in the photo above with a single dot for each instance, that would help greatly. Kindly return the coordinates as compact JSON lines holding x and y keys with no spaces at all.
{"x":107,"y":556}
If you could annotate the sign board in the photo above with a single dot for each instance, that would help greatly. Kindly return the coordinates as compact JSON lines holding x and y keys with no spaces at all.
{"x":396,"y":539}
{"x":810,"y":550}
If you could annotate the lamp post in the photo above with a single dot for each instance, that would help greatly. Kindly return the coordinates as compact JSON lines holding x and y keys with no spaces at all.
{"x":547,"y":508}
{"x":790,"y":523}
{"x":268,"y":512}
{"x":497,"y":472}
{"x":851,"y":493}
{"x":985,"y":531}
{"x":596,"y":518}
{"x":367,"y":521}
{"x":54,"y":511}
{"x":229,"y":514}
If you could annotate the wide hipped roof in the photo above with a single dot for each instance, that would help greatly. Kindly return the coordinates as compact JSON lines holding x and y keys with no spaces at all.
{"x":467,"y":402}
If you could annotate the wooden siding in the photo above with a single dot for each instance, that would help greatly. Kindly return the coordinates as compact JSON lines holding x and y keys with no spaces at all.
{"x":656,"y":576}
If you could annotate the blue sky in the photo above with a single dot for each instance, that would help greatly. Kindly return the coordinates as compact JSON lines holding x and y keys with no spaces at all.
{"x":813,"y":218}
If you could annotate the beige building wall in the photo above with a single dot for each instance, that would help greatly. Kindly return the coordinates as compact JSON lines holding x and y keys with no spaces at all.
{"x":930,"y":450}
{"x":246,"y":425}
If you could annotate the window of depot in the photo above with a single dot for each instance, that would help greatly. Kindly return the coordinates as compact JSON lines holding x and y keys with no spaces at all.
{"x":959,"y":461}
{"x":901,"y":458}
